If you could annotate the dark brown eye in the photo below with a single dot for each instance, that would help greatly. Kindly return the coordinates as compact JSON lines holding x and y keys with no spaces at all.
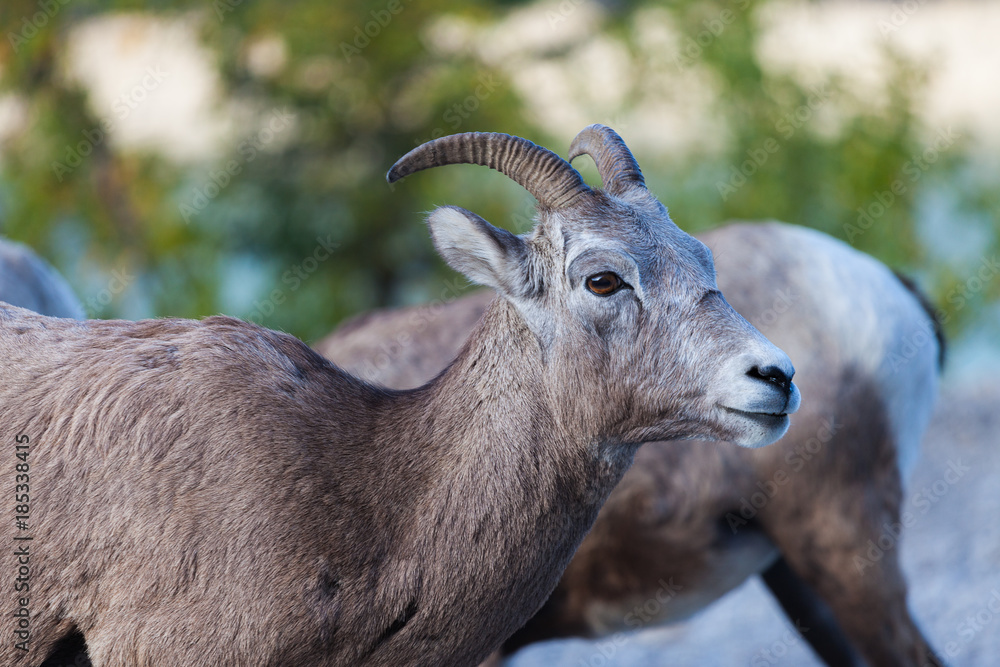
{"x":604,"y":284}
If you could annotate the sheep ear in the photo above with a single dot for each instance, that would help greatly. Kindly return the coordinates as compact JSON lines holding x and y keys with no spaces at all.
{"x":486,"y":254}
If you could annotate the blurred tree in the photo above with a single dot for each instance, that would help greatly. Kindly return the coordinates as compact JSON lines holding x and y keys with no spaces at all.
{"x":299,"y":231}
{"x":856,"y":167}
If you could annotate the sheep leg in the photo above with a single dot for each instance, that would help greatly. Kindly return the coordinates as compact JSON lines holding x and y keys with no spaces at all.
{"x":831,"y":551}
{"x":807,"y":610}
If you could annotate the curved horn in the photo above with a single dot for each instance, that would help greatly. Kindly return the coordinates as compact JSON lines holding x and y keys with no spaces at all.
{"x":615,"y":163}
{"x":548,"y":177}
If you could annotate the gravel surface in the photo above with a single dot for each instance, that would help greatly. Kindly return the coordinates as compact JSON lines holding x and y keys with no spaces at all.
{"x":951,"y":557}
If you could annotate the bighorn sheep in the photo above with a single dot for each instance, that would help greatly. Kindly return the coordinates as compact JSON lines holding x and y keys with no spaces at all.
{"x":216,"y":493}
{"x":28,"y":281}
{"x":817,"y":514}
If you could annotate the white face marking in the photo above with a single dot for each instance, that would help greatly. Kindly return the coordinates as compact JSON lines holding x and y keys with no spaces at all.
{"x":673,"y":350}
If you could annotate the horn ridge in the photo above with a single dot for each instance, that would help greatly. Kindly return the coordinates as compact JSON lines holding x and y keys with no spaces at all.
{"x":618,"y":169}
{"x":548,"y":177}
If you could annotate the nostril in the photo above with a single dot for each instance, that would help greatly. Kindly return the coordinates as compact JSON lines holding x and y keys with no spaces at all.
{"x":773,"y":375}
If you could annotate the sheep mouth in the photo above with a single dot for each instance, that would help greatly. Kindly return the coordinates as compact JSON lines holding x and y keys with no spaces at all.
{"x":756,"y":429}
{"x":767,"y":417}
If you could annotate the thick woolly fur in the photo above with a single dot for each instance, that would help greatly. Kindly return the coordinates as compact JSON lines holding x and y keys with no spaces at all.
{"x":215,"y":493}
{"x":704,"y":516}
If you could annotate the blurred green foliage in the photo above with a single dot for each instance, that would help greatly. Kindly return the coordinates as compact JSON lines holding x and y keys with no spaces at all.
{"x":357,"y":105}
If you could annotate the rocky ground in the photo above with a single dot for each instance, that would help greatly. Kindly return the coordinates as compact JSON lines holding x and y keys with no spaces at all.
{"x":951,"y":556}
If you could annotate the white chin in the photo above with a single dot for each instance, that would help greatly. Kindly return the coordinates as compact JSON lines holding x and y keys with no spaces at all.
{"x":756,"y":429}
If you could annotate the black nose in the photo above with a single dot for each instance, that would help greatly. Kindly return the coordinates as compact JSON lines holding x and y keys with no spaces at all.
{"x":772,"y":374}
